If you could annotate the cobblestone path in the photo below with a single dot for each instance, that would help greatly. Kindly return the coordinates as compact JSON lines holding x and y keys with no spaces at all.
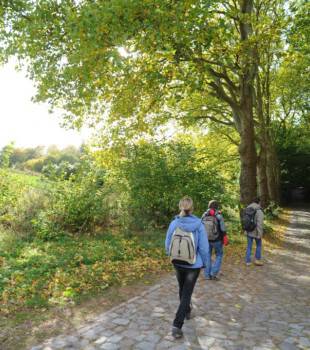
{"x":252,"y":307}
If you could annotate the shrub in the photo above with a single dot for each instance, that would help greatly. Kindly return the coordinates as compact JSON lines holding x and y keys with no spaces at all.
{"x":46,"y":226}
{"x":157,"y":176}
{"x":74,"y":205}
{"x":27,"y":208}
{"x":77,"y":204}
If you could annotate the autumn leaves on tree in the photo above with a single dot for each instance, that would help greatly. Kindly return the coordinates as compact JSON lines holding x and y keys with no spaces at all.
{"x":136,"y":65}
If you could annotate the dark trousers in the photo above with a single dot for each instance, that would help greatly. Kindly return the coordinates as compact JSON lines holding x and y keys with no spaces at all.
{"x":187,"y":279}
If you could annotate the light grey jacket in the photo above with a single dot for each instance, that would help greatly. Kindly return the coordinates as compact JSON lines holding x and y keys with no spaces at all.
{"x":259,"y":218}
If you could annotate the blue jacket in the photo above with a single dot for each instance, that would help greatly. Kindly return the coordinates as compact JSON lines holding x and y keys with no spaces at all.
{"x":193,"y":224}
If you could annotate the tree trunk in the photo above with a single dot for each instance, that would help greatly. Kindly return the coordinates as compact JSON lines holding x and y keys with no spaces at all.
{"x":248,"y":159}
{"x":247,"y":151}
{"x":262,"y":138}
{"x":262,"y":177}
{"x":240,"y":98}
{"x":273,"y":172}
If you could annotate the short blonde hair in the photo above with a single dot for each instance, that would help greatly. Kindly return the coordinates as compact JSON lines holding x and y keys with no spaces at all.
{"x":186,"y":206}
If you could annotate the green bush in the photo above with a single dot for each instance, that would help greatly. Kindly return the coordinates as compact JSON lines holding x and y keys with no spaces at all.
{"x":155,"y":177}
{"x":139,"y":190}
{"x":46,"y":227}
{"x":13,"y":186}
{"x":76,"y":205}
{"x":8,"y":196}
{"x":30,"y":204}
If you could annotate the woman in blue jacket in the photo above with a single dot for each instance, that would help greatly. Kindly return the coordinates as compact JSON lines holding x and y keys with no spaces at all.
{"x":187,"y":274}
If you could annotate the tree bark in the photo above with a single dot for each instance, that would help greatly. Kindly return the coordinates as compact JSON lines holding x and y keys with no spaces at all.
{"x":263,"y":189}
{"x":248,"y":159}
{"x":273,"y":172}
{"x":240,"y":99}
{"x":247,"y":150}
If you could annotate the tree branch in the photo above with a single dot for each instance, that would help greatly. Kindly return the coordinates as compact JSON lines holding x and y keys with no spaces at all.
{"x":219,"y":121}
{"x":226,"y":14}
{"x":219,"y":92}
{"x":230,"y":139}
{"x":223,"y":76}
{"x":215,"y":63}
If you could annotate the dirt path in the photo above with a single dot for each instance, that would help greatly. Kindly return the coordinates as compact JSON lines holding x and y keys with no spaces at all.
{"x":249,"y":308}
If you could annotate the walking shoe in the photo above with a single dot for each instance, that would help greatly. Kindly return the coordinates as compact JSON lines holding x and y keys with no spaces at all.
{"x":208,"y":277}
{"x":177,"y":332}
{"x":215,"y":278}
{"x":248,"y":264}
{"x":258,"y":263}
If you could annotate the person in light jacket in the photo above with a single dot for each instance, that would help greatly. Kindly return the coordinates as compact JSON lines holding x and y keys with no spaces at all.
{"x":187,"y":274}
{"x":256,"y":235}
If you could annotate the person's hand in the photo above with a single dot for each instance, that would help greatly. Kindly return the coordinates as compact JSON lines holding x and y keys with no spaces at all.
{"x":225,"y":240}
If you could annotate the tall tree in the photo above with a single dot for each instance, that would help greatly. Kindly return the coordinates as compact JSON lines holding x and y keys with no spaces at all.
{"x":133,"y":63}
{"x":271,"y":22}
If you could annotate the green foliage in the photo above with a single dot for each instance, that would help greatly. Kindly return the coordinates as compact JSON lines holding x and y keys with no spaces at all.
{"x":293,"y":149}
{"x":22,"y":155}
{"x":30,"y":203}
{"x":136,"y":65}
{"x":272,"y":211}
{"x":158,"y":176}
{"x":140,"y":187}
{"x":139,"y":56}
{"x":52,"y":162}
{"x":79,"y":204}
{"x":38,"y":273}
{"x":149,"y":179}
{"x":46,"y":227}
{"x":62,"y":170}
{"x":12,"y":187}
{"x":5,"y":155}
{"x":47,"y":209}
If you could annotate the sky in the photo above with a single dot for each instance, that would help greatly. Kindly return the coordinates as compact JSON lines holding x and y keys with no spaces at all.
{"x":26,"y":123}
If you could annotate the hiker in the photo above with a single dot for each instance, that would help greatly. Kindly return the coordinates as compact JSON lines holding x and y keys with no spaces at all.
{"x":214,"y":224}
{"x":187,"y":245}
{"x":252,"y":223}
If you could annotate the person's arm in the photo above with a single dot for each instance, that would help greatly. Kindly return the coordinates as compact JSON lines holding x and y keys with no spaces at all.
{"x":221,"y":223}
{"x":203,"y":244}
{"x":223,"y":231}
{"x":169,"y":235}
{"x":260,"y":222}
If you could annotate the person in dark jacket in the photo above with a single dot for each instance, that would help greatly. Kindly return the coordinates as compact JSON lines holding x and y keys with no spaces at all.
{"x":216,"y":242}
{"x":187,"y":274}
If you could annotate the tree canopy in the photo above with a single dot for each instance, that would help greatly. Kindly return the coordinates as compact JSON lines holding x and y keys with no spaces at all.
{"x":135,"y":65}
